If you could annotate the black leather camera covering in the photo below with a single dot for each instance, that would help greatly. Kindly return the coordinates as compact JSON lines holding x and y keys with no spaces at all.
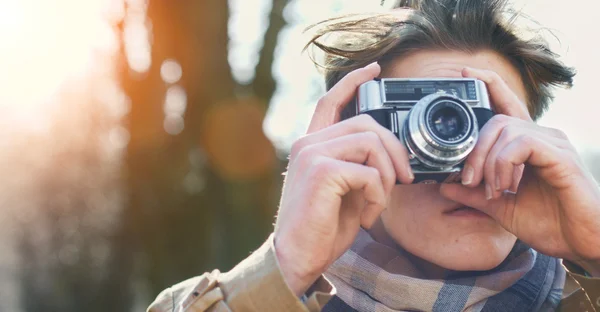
{"x":483,"y":115}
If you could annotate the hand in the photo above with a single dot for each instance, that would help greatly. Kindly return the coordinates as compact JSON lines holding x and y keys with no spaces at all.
{"x":340,"y":177}
{"x":535,"y":184}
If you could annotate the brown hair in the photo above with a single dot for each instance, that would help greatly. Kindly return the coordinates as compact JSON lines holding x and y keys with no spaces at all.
{"x":463,"y":25}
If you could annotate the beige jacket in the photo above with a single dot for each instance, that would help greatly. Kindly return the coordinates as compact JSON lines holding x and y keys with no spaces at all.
{"x":257,"y":284}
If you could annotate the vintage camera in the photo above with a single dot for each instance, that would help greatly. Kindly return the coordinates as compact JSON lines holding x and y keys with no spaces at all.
{"x":438,"y":120}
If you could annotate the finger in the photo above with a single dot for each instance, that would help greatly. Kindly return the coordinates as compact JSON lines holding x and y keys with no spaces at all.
{"x":475,"y":198}
{"x":361,"y":148}
{"x":351,"y":215}
{"x":331,"y":104}
{"x":471,"y":197}
{"x":498,"y":172}
{"x":503,"y":175}
{"x":537,"y":152}
{"x":504,"y":99}
{"x":473,"y":172}
{"x":338,"y":178}
{"x":370,"y":215}
{"x":509,"y":128}
{"x":362,"y":123}
{"x":517,"y":176}
{"x":498,"y":169}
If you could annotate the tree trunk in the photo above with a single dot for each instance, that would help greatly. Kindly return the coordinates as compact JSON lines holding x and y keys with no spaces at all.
{"x":181,"y":232}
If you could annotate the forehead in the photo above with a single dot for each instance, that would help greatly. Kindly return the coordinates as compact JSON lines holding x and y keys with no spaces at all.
{"x":449,"y":64}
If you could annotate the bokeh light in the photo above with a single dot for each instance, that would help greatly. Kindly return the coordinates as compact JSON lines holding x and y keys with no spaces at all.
{"x":174,"y":124}
{"x":175,"y":101}
{"x":170,"y":71}
{"x":137,"y":38}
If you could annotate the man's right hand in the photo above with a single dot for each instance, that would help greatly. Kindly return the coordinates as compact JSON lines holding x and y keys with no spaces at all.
{"x":340,"y":177}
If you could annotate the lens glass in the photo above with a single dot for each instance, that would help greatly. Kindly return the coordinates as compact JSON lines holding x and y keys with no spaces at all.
{"x":448,"y":121}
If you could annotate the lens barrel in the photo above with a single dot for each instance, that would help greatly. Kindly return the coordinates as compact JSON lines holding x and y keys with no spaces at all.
{"x":440,"y":131}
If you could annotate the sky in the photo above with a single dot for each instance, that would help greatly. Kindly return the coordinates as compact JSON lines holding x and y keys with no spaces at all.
{"x":575,"y":111}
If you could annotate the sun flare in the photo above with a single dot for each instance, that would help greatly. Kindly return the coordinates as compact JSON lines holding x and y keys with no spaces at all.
{"x":44,"y":43}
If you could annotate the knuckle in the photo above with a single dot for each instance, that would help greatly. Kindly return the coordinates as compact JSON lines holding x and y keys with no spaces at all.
{"x":322,"y":101}
{"x":496,"y":122}
{"x":364,"y":119}
{"x":371,"y":138}
{"x":502,"y":160}
{"x":320,"y":168}
{"x":509,"y":132}
{"x":373,"y":176}
{"x":525,"y":140}
{"x":370,"y":142}
{"x":307,"y":155}
{"x":499,"y":120}
{"x":297,"y":147}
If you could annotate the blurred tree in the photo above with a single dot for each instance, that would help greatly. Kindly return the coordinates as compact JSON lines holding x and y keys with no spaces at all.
{"x":203,"y":198}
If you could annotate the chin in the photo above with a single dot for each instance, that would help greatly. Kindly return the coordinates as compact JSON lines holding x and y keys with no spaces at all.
{"x":457,"y":246}
{"x":474,"y":252}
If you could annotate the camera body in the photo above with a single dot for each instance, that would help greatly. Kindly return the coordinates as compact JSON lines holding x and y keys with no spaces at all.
{"x":437,"y":119}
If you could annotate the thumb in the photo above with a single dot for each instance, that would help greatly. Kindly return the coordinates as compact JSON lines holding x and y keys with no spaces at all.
{"x":327,"y":111}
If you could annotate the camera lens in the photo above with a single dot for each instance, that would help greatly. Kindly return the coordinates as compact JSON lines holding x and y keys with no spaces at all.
{"x":440,"y":130}
{"x":448,"y":122}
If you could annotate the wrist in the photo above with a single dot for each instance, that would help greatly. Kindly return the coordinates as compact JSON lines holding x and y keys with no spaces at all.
{"x":294,"y":277}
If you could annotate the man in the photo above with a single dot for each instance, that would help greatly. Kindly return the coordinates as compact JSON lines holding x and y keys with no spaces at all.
{"x":347,"y":238}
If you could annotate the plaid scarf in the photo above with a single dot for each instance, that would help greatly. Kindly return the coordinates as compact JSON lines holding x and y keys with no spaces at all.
{"x":373,"y":277}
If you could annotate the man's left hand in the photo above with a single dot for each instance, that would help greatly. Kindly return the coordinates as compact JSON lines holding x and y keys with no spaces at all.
{"x":534,"y":183}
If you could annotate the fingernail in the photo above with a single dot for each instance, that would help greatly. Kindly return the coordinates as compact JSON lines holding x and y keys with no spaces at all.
{"x":468,"y":174}
{"x":371,"y":65}
{"x":410,"y":172}
{"x":497,"y":183}
{"x":488,"y":192}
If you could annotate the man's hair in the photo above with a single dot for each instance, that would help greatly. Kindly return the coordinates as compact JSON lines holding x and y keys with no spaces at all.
{"x":460,"y":25}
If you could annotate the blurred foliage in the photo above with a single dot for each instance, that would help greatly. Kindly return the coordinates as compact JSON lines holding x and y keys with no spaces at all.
{"x":195,"y":199}
{"x":179,"y":229}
